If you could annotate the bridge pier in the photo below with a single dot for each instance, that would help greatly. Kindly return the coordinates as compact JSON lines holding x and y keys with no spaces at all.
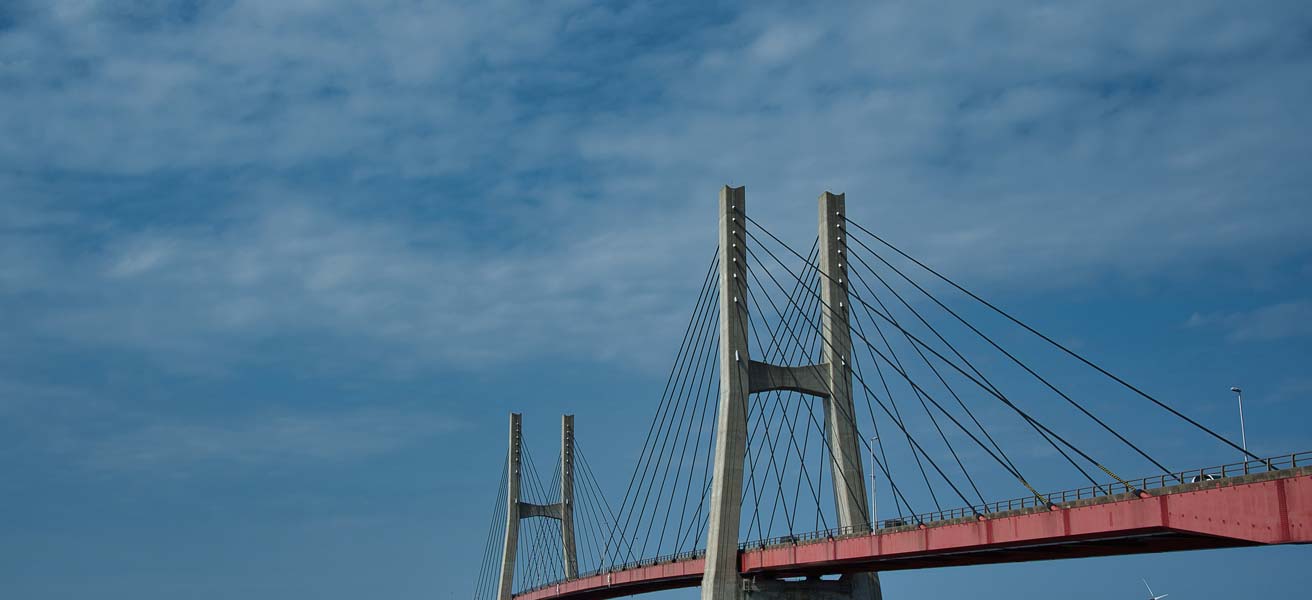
{"x":858,"y":586}
{"x":829,"y":379}
{"x":517,"y":510}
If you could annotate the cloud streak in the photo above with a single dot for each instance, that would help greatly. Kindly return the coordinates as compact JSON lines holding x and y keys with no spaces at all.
{"x":294,"y":271}
{"x":468,"y":182}
{"x":288,"y":439}
{"x":1273,"y":322}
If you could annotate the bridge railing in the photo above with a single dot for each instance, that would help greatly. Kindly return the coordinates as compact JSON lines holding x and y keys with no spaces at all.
{"x":1288,"y":461}
{"x":647,"y":562}
{"x":633,"y":564}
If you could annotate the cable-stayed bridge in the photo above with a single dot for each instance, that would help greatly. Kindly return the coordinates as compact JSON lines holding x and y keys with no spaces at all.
{"x":810,"y":384}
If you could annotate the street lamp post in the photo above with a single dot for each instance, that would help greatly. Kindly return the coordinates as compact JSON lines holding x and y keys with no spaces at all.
{"x":874,"y":519}
{"x":1243,"y":436}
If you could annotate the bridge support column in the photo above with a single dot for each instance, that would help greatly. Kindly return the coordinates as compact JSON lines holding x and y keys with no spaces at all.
{"x":517,"y":510}
{"x":567,"y":496}
{"x":720,"y":580}
{"x":835,"y":359}
{"x":511,"y":543}
{"x":836,"y":363}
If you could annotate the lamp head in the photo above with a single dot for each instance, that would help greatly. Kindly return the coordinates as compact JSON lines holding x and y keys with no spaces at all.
{"x":1236,"y":390}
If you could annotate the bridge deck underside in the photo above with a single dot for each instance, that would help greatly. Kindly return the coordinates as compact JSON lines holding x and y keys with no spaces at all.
{"x":1270,"y":508}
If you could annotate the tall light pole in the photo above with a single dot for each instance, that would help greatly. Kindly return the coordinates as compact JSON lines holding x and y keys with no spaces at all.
{"x":1243,"y":437}
{"x":874,"y":520}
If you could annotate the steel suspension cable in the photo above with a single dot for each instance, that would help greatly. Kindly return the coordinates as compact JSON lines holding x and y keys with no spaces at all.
{"x":559,"y":526}
{"x":968,"y":364}
{"x":1060,"y":346}
{"x":850,"y":417}
{"x":768,"y":442}
{"x":897,"y":415}
{"x":805,"y":349}
{"x":553,"y":552}
{"x":816,"y":330}
{"x":957,"y":368}
{"x":791,"y":315}
{"x":550,"y":531}
{"x":709,"y":356}
{"x":879,"y":330}
{"x":585,"y":544}
{"x":539,"y":556}
{"x":913,"y":384}
{"x":879,"y":440}
{"x":869,"y":344}
{"x":529,"y":571}
{"x":676,"y":415}
{"x":596,"y":487}
{"x":694,"y":318}
{"x":856,"y":272}
{"x":1058,"y":391}
{"x":597,"y":523}
{"x":595,"y":526}
{"x":771,"y":440}
{"x":828,"y":390}
{"x":874,"y":422}
{"x":783,"y":323}
{"x":713,"y":400}
{"x":697,"y":446}
{"x":497,"y":524}
{"x":697,"y":524}
{"x":777,"y":351}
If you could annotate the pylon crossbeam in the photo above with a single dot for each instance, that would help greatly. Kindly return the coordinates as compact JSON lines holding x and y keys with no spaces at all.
{"x":550,"y":511}
{"x":808,"y":379}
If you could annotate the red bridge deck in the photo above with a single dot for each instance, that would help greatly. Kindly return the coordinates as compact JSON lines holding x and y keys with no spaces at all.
{"x":1266,"y":508}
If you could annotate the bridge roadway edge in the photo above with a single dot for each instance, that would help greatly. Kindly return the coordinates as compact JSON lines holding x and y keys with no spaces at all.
{"x":1262,"y":508}
{"x":1212,"y":514}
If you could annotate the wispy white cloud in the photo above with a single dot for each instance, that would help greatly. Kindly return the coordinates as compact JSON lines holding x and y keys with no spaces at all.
{"x":572,"y":163}
{"x":204,"y":295}
{"x":1277,"y":321}
{"x":287,"y":439}
{"x":231,"y":84}
{"x":1070,"y":141}
{"x":1294,"y":389}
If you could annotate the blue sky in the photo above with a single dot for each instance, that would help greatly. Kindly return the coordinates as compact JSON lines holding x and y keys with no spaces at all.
{"x":273,"y":273}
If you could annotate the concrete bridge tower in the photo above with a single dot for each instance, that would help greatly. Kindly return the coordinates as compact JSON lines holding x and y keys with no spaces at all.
{"x":517,"y":510}
{"x":830,"y":380}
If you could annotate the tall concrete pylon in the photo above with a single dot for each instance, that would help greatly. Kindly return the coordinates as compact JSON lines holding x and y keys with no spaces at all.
{"x":517,"y":510}
{"x":836,"y":360}
{"x":830,"y":379}
{"x":720,"y":580}
{"x":571,"y":559}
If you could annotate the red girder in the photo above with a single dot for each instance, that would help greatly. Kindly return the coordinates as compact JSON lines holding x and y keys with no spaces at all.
{"x":1216,"y":514}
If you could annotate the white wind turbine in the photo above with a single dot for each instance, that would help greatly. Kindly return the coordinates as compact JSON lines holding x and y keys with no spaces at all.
{"x":1150,"y":592}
